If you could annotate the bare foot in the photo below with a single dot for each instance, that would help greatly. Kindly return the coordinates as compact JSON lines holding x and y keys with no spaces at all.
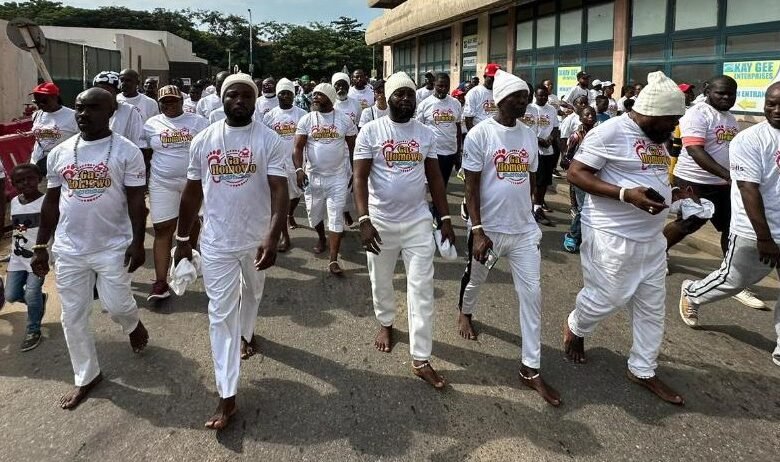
{"x":320,"y":247}
{"x":573,"y":346}
{"x":533,"y":380}
{"x":284,"y":244}
{"x":425,"y":371}
{"x":75,"y":396}
{"x":384,"y":339}
{"x":250,"y":348}
{"x":466,"y":327}
{"x":225,"y":410}
{"x":139,"y":338}
{"x":658,"y":387}
{"x":291,"y":222}
{"x":335,"y":269}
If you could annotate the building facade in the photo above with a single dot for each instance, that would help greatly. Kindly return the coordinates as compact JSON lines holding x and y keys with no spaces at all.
{"x":617,"y":40}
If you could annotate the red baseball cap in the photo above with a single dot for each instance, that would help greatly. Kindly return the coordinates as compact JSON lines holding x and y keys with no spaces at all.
{"x":457,"y":92}
{"x":46,"y":88}
{"x":490,"y":69}
{"x":685,"y":87}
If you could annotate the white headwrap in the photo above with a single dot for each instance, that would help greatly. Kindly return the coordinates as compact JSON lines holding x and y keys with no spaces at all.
{"x":339,"y":76}
{"x":285,"y":84}
{"x":505,"y":84}
{"x":327,"y":90}
{"x":396,"y":81}
{"x":661,"y":97}
{"x":234,"y":79}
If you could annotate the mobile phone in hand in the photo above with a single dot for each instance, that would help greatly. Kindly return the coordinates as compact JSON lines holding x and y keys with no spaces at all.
{"x":492,"y":259}
{"x":654,"y":195}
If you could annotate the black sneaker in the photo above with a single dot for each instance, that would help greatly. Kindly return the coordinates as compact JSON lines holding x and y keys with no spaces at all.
{"x":546,"y":208}
{"x":557,"y":174}
{"x":541,"y":218}
{"x":31,"y":340}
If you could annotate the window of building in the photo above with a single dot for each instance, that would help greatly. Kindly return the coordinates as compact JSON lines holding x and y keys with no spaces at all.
{"x":648,"y":17}
{"x":468,"y":64}
{"x":498,"y":38}
{"x":745,"y":12}
{"x":695,"y":14}
{"x":695,"y":74}
{"x":571,"y":28}
{"x":435,"y":53}
{"x":694,"y":47}
{"x":525,"y":35}
{"x":601,"y":22}
{"x":637,"y":73}
{"x":545,"y":32}
{"x":403,"y":57}
{"x":753,"y":43}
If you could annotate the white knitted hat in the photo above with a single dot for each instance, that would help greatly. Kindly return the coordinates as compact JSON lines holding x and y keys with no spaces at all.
{"x":239,"y":78}
{"x":327,"y":90}
{"x":339,"y":76}
{"x":661,"y":97}
{"x":285,"y":84}
{"x":505,"y":84}
{"x":396,"y":81}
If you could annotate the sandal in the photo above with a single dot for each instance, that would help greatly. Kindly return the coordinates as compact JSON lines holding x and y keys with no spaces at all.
{"x":335,"y":269}
{"x":439,"y":381}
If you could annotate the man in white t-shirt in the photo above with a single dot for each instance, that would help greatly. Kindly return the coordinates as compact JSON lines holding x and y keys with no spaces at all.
{"x":753,"y":250}
{"x":361,"y":90}
{"x":128,"y":83}
{"x":379,"y":109}
{"x":196,"y":93}
{"x":479,"y":100}
{"x":548,"y":135}
{"x":267,"y":100}
{"x":426,"y":89}
{"x":623,"y":165}
{"x":583,"y":81}
{"x":212,"y":101}
{"x":126,"y":120}
{"x":608,"y":89}
{"x":283,"y":119}
{"x":236,"y":170}
{"x":500,"y":158}
{"x":345,"y":103}
{"x":441,"y":112}
{"x":328,"y":135}
{"x":52,"y":123}
{"x":167,"y":139}
{"x":95,"y":201}
{"x":393,"y":159}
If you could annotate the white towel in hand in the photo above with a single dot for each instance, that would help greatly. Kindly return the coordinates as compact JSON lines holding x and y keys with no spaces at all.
{"x":446,"y":249}
{"x":184,"y":273}
{"x":690,"y":208}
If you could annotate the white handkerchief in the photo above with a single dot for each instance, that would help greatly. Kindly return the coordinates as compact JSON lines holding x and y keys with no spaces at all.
{"x":446,"y":250}
{"x":690,"y":208}
{"x":184,"y":273}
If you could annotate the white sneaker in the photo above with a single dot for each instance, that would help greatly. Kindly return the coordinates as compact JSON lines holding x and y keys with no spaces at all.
{"x":748,"y":298}
{"x":689,"y":311}
{"x":776,"y":359}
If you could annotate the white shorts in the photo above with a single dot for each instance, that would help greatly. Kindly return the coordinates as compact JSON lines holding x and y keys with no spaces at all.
{"x":327,"y":194}
{"x":164,"y":199}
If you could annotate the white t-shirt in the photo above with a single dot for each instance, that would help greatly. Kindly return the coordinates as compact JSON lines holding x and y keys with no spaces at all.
{"x":285,"y":123}
{"x":263,"y":105}
{"x":127,"y":121}
{"x":546,"y":122}
{"x":233,"y":165}
{"x":350,"y":107}
{"x":369,"y":114}
{"x":612,"y":108}
{"x":479,"y":104}
{"x":569,"y":125}
{"x":576,"y":92}
{"x":625,"y":157}
{"x":190,"y":106}
{"x":93,"y":202}
{"x":506,"y":156}
{"x":326,"y":145}
{"x":422,"y":94}
{"x":146,"y":105}
{"x":755,"y":158}
{"x":207,"y":104}
{"x":622,"y":103}
{"x":717,"y":129}
{"x":365,"y":96}
{"x":442,"y":116}
{"x":219,"y":114}
{"x":51,"y":129}
{"x":529,"y":118}
{"x":554,"y":101}
{"x":210,"y":90}
{"x":170,"y":140}
{"x":396,"y":183}
{"x":25,"y":219}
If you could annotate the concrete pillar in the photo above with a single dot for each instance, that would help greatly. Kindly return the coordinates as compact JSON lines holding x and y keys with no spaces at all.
{"x":416,"y":60}
{"x":456,"y":52}
{"x":387,"y":67}
{"x":511,"y":38}
{"x":483,"y":43}
{"x":620,"y":40}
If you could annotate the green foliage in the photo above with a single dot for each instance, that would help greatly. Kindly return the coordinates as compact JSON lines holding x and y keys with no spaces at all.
{"x":279,"y":49}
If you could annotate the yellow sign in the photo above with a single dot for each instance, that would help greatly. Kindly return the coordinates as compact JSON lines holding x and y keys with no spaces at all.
{"x":567,"y":79}
{"x":753,"y":78}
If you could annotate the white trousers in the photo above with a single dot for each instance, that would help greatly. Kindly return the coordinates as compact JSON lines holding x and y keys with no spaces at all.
{"x":618,"y":272}
{"x":525,"y":258}
{"x":75,"y":282}
{"x":414,"y":242}
{"x":235,"y":289}
{"x":326,"y":194}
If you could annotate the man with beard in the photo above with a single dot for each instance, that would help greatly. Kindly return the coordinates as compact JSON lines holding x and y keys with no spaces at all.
{"x":209,"y":103}
{"x":94,"y":206}
{"x":328,"y":135}
{"x":128,"y":82}
{"x":283,"y":119}
{"x":426,"y":89}
{"x":441,"y":113}
{"x":150,"y":87}
{"x":393,"y":158}
{"x":126,"y":119}
{"x":345,"y":103}
{"x":753,"y":250}
{"x":361,"y":90}
{"x":623,"y":165}
{"x":500,"y":158}
{"x":237,"y":170}
{"x":268,"y":100}
{"x":479,"y":100}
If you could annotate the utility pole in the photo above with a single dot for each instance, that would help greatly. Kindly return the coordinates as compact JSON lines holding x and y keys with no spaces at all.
{"x":251,"y":61}
{"x":229,"y":60}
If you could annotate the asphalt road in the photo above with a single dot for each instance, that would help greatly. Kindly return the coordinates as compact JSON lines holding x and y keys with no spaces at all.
{"x":320,"y":392}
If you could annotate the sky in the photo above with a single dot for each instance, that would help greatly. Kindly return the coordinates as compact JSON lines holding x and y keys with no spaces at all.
{"x":286,"y":11}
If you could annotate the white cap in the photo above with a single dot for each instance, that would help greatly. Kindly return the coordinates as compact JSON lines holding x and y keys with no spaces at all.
{"x":327,"y":90}
{"x":396,"y":81}
{"x":660,"y":97}
{"x":596,"y":82}
{"x":607,"y":83}
{"x":339,"y":76}
{"x":505,"y":84}
{"x":285,"y":84}
{"x":239,"y":78}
